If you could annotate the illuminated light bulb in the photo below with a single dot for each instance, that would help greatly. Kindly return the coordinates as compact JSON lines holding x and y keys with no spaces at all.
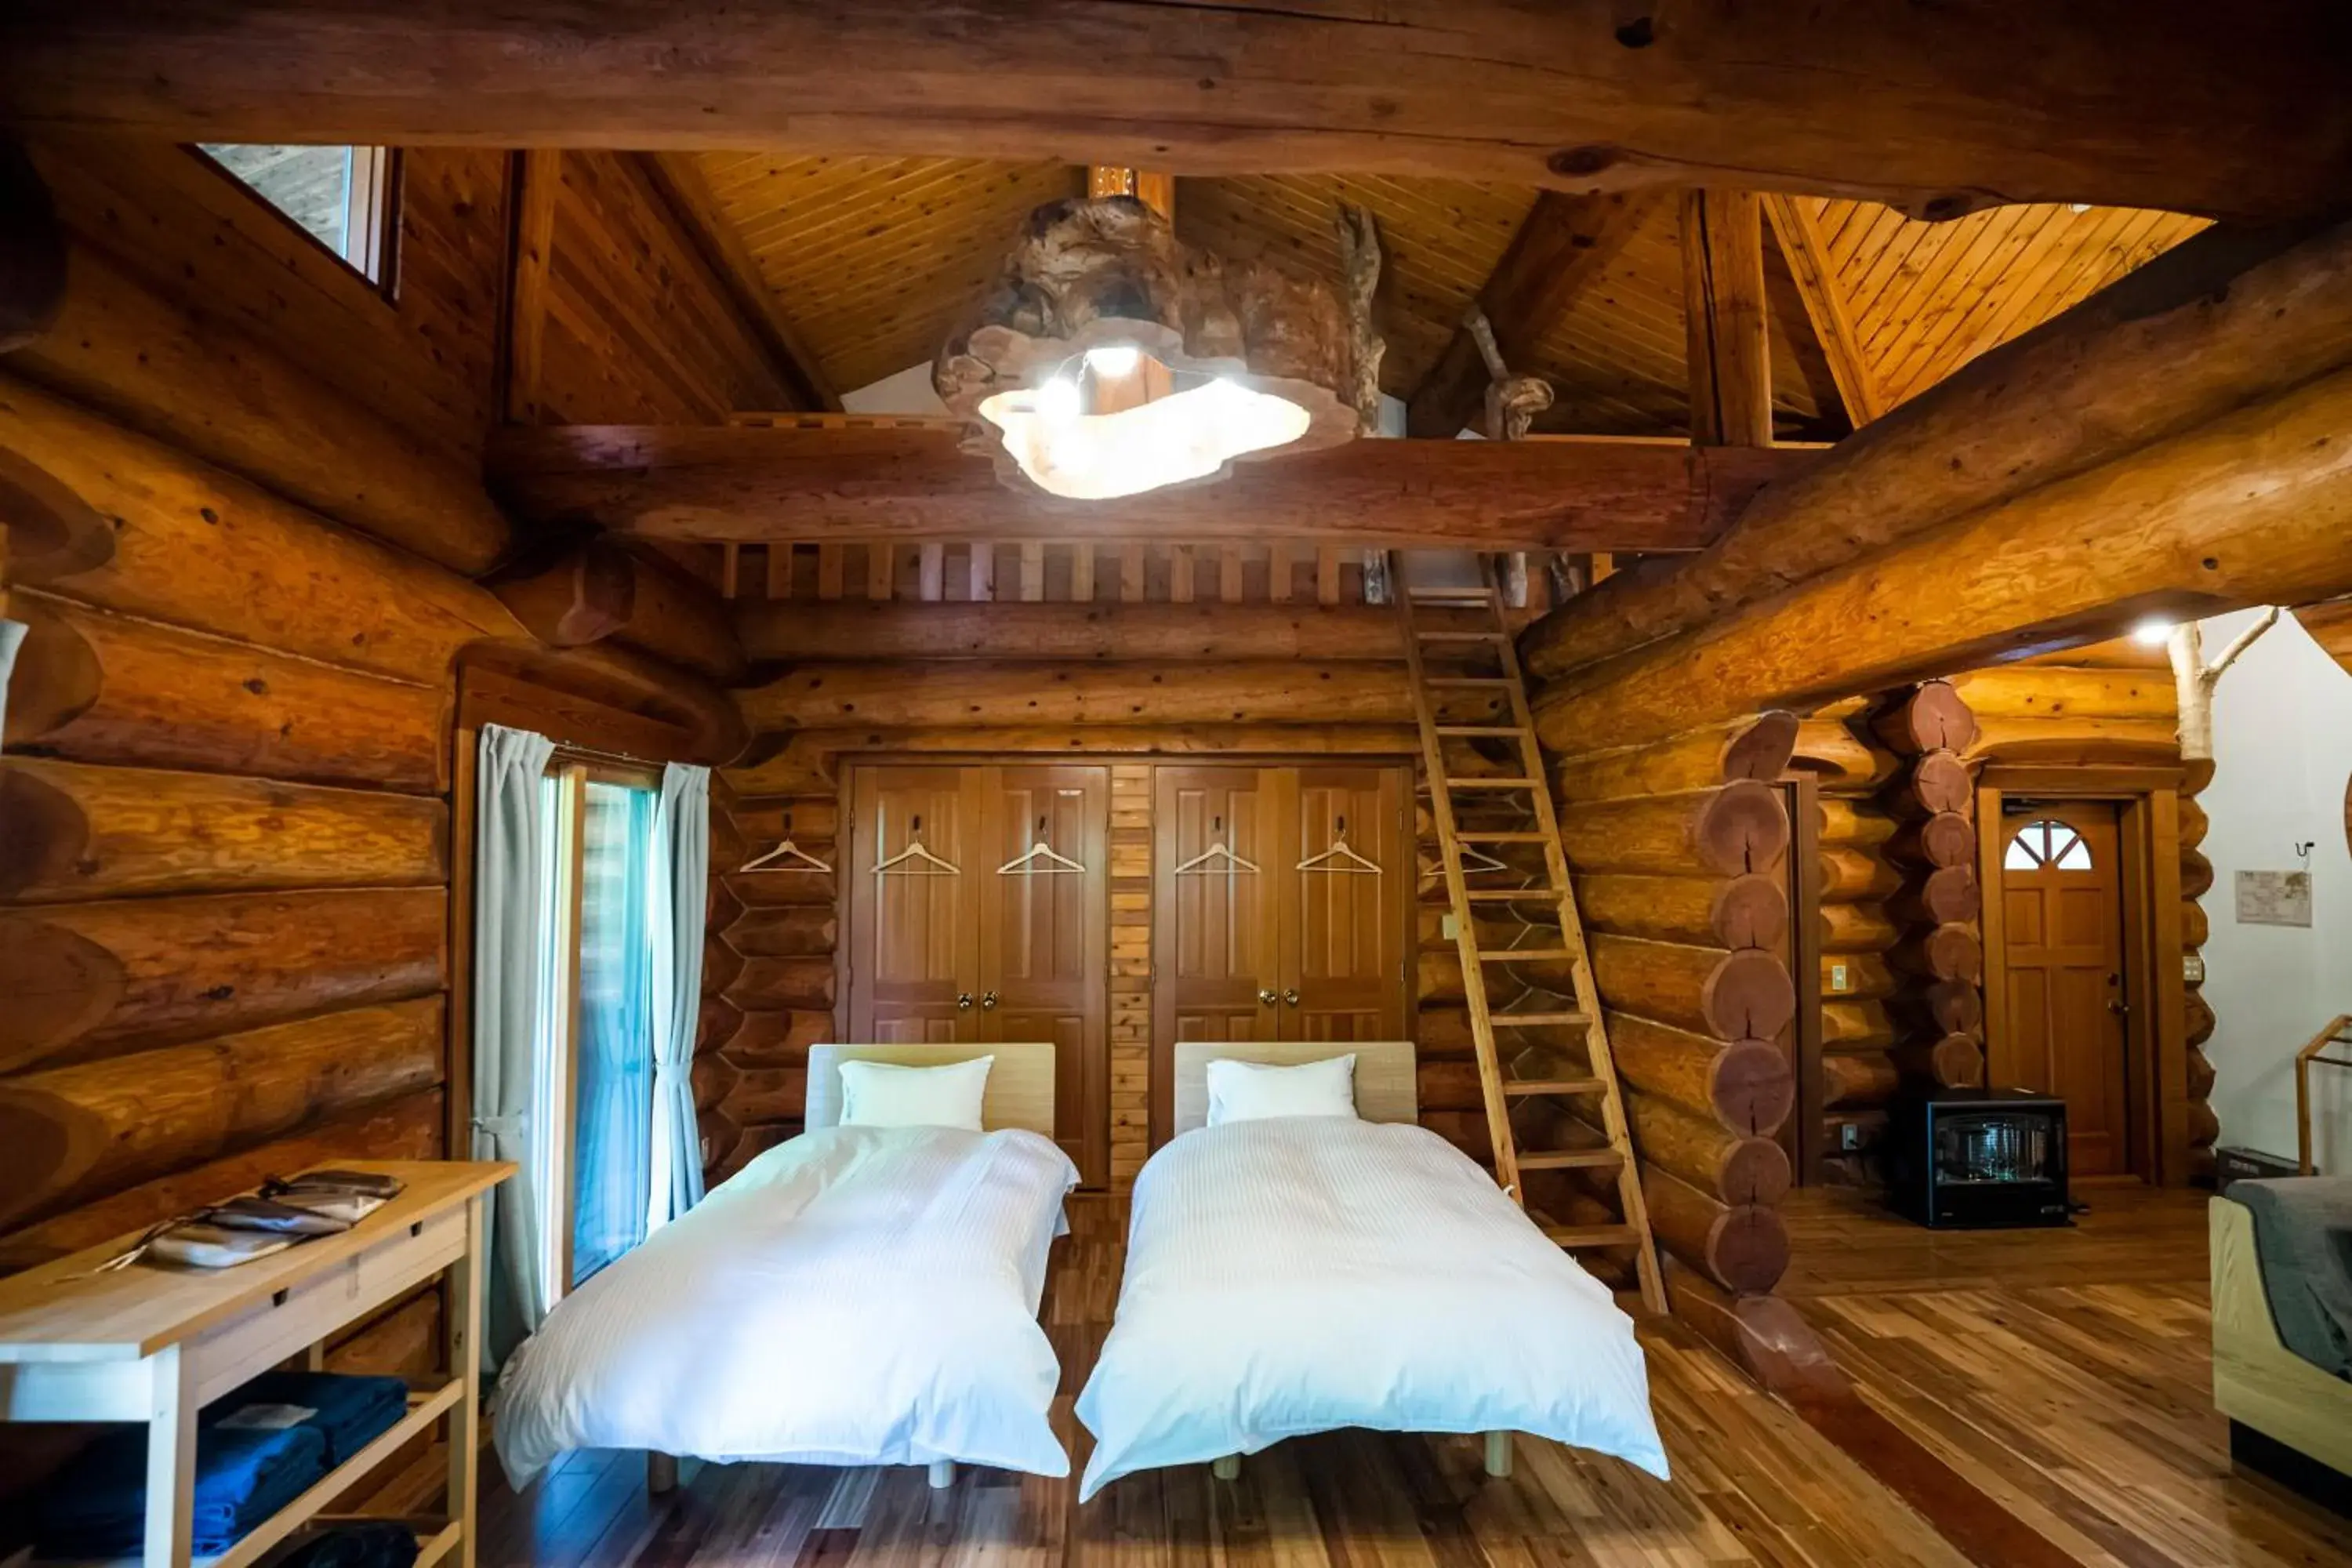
{"x":2078,"y":207}
{"x":1115,"y":361}
{"x":2152,"y":633}
{"x":1058,"y":399}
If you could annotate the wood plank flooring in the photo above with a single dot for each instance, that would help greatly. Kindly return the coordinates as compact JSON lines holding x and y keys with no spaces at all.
{"x":2077,"y":1404}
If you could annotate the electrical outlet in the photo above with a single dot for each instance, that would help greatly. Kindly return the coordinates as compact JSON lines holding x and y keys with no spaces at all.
{"x":1837,"y":977}
{"x":1449,"y":926}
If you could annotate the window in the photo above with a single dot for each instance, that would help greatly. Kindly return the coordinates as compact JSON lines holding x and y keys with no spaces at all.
{"x":596,"y":1037}
{"x":2045,"y":843}
{"x":343,"y":198}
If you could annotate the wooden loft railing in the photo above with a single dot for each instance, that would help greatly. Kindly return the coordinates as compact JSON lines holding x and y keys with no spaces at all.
{"x":2338,"y":1033}
{"x":1054,"y":571}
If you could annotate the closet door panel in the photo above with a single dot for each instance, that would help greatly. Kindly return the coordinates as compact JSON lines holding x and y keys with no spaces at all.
{"x":1346,"y":899}
{"x":913,"y":939}
{"x":1045,"y":937}
{"x":1216,"y":945}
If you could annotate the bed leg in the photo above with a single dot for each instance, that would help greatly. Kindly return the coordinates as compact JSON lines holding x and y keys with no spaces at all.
{"x":661,"y":1473}
{"x":942,"y":1474}
{"x":1498,"y":1454}
{"x":1227,"y":1467}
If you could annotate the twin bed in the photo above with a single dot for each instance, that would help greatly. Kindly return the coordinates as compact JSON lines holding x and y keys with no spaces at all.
{"x":868,"y":1295}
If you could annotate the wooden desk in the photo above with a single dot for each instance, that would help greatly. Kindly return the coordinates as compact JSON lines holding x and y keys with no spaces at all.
{"x":156,"y":1343}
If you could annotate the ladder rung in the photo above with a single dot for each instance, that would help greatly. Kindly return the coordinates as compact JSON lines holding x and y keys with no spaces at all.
{"x":1494,"y":835}
{"x":1509,"y":895}
{"x":1525,"y":954}
{"x":1494,"y":783}
{"x":1576,"y":1236}
{"x":1479,"y":731}
{"x":1537,"y":1020}
{"x":1524,"y":1086}
{"x":1569,"y":1159}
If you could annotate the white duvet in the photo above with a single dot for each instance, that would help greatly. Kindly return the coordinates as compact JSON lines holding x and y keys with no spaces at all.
{"x":854,"y":1295}
{"x":1308,"y":1273}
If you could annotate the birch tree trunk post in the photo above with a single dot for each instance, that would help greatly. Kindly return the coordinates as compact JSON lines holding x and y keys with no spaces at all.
{"x":2194,"y":680}
{"x":1360,"y":257}
{"x":1512,"y":401}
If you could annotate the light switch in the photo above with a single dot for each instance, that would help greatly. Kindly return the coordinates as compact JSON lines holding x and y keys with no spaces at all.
{"x":1449,"y":926}
{"x":1837,"y":977}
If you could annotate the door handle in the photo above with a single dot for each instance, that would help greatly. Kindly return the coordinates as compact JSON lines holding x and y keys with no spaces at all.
{"x":2118,"y":1008}
{"x":1291,"y":997}
{"x":1266,"y":997}
{"x":963,"y":1001}
{"x":988,"y":999}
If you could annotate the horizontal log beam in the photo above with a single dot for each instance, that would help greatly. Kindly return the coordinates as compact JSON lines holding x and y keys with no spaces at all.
{"x":1745,"y":1085}
{"x":1951,"y":1061}
{"x":173,"y":538}
{"x":1734,"y":1167}
{"x":1758,"y":748}
{"x":929,"y":694}
{"x":2129,"y":105}
{"x":791,"y":983}
{"x":755,"y":484}
{"x":692,"y":719}
{"x":1746,"y":910}
{"x":208,"y":389}
{"x":2225,"y":320}
{"x":787,"y":930}
{"x":1743,"y":995}
{"x":776,"y":1038}
{"x":80,"y":832}
{"x":1848,"y":1081}
{"x":603,"y":589}
{"x":1742,"y":1248}
{"x":82,"y":1131}
{"x":1737,"y":827}
{"x":98,"y":688}
{"x":800,"y":631}
{"x":87,"y":980}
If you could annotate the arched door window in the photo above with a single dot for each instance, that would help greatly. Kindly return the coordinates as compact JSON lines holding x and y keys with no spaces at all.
{"x":2046,"y":843}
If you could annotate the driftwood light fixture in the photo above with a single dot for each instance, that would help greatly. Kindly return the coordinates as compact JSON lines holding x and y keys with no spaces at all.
{"x":1108,"y":359}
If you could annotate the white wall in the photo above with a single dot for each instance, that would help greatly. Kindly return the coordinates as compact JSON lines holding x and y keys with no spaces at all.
{"x":2282,"y":753}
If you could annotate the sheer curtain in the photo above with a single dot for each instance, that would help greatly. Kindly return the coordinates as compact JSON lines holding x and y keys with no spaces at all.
{"x":511,"y":867}
{"x":612,"y":1150}
{"x":681,"y":884}
{"x":12,"y":633}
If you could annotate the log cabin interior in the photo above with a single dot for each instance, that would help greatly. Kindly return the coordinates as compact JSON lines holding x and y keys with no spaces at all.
{"x":1742,"y":610}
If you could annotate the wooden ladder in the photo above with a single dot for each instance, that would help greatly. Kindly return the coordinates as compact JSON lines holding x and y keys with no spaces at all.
{"x":1500,"y":1083}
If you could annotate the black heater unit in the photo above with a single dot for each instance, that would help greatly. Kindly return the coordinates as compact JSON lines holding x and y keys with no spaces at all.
{"x":1978,"y":1159}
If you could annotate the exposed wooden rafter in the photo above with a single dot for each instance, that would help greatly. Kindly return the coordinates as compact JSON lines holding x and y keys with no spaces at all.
{"x":2129,"y":102}
{"x":680,"y":180}
{"x":1563,"y":245}
{"x":849,"y":481}
{"x":1730,"y":351}
{"x":1815,"y":275}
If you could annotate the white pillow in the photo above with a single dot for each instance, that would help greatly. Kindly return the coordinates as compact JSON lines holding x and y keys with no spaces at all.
{"x":1251,"y":1091}
{"x":878,"y":1094}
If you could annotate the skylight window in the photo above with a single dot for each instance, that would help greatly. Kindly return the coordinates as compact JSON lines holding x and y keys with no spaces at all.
{"x":340,"y":196}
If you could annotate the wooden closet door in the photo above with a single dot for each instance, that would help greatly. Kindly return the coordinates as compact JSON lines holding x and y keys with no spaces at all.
{"x":1344,"y":932}
{"x":1045,"y":940}
{"x":1215,"y":939}
{"x":914,"y":931}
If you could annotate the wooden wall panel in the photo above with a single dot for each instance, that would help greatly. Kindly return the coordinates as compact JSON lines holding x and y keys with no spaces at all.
{"x":619,"y":319}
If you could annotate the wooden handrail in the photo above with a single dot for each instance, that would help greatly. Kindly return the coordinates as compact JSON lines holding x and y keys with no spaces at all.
{"x":2338,"y":1033}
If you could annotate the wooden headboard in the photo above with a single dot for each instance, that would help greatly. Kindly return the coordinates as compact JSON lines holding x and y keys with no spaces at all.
{"x":1020,"y":1086}
{"x":1385,"y":1073}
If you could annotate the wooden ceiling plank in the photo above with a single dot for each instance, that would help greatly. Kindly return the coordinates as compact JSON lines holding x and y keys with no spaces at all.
{"x":752,"y":483}
{"x":1807,"y":255}
{"x":1561,"y":246}
{"x":2158,"y":107}
{"x":1729,"y":354}
{"x":698,"y":211}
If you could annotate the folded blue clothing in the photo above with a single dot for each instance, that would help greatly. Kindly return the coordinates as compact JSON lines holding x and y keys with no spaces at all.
{"x":352,"y":1410}
{"x":97,"y":1505}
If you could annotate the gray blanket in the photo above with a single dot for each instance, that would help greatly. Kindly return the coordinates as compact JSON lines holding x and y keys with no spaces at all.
{"x":2303,"y":1238}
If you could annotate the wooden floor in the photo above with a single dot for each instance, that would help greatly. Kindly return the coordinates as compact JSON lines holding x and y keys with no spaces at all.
{"x":2062,"y":1374}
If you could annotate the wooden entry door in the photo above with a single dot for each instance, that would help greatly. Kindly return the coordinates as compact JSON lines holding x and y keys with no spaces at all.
{"x":2062,"y":946}
{"x":1006,"y":944}
{"x":1247,"y":944}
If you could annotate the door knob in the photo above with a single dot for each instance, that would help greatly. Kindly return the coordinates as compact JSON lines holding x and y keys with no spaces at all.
{"x":1266,"y":997}
{"x":963,"y":1001}
{"x":988,"y":999}
{"x":1291,"y":997}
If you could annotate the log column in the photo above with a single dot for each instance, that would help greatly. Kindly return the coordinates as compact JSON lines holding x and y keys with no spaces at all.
{"x":1938,"y":963}
{"x":1678,"y":854}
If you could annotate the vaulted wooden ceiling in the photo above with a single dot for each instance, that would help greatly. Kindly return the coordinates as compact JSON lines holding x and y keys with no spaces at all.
{"x":874,"y":259}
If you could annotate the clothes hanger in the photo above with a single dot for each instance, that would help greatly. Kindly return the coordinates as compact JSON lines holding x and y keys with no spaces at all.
{"x":1229,"y":862}
{"x":1340,"y":859}
{"x":917,"y":854}
{"x":786,"y":851}
{"x":1054,"y":863}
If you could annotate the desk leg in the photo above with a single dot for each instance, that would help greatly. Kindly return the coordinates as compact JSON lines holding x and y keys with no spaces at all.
{"x":170,"y":1460}
{"x":462,"y":1306}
